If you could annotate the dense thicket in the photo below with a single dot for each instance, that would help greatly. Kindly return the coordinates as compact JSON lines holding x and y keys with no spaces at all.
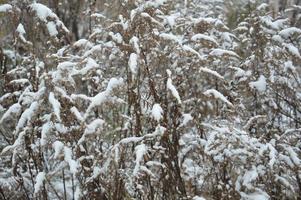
{"x":159,"y":99}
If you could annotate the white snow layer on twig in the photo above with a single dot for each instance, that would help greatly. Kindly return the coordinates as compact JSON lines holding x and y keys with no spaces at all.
{"x":157,"y":112}
{"x":217,"y":95}
{"x":172,"y":88}
{"x":39,"y":182}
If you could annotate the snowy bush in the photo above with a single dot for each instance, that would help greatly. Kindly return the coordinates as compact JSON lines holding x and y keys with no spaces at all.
{"x":156,"y":99}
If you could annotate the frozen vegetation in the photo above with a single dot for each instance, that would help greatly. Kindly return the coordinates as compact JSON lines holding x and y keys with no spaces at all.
{"x":150,"y":99}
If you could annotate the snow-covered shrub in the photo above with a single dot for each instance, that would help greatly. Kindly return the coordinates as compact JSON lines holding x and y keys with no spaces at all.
{"x":161,"y":100}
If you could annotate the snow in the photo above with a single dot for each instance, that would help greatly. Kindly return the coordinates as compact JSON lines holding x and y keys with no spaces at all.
{"x":262,"y":6}
{"x":254,"y":119}
{"x":56,"y":106}
{"x":277,"y":38}
{"x":146,"y":15}
{"x":154,"y":163}
{"x":96,"y":48}
{"x":200,"y":37}
{"x":286,"y":160}
{"x":276,"y":25}
{"x":27,"y":115}
{"x":116,"y":37}
{"x":63,"y":68}
{"x":289,"y":66}
{"x":241,"y":29}
{"x":171,"y":19}
{"x":10,"y":54}
{"x":147,"y":171}
{"x":140,"y":150}
{"x":273,"y":155}
{"x":259,"y":195}
{"x":208,"y":20}
{"x":172,"y":88}
{"x":61,"y":128}
{"x":249,"y":176}
{"x":92,"y":128}
{"x":66,"y":65}
{"x":77,"y":114}
{"x":114,"y":83}
{"x":14,"y":109}
{"x":289,"y":32}
{"x":80,"y":96}
{"x":133,"y":14}
{"x":133,"y":63}
{"x":260,"y":85}
{"x":21,"y":32}
{"x":39,"y":182}
{"x":170,"y":36}
{"x":134,"y":41}
{"x":21,"y":81}
{"x":154,"y":3}
{"x":82,"y":42}
{"x":130,"y":139}
{"x":18,"y":142}
{"x":44,"y":14}
{"x":293,"y":156}
{"x":222,"y":52}
{"x":20,"y":29}
{"x":240,"y":73}
{"x":283,"y":181}
{"x":5,"y":7}
{"x":98,"y":15}
{"x":51,"y":26}
{"x":61,"y":92}
{"x":217,"y":95}
{"x":186,"y":118}
{"x":78,"y":193}
{"x":188,"y":48}
{"x":58,"y":147}
{"x":96,"y":172}
{"x":157,"y":112}
{"x":90,"y":65}
{"x":227,"y":39}
{"x":102,"y":96}
{"x":293,"y":50}
{"x":124,"y":23}
{"x":73,"y":165}
{"x":45,"y":129}
{"x":99,"y":122}
{"x":158,"y":132}
{"x":198,"y":198}
{"x":42,"y":11}
{"x":212,"y":72}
